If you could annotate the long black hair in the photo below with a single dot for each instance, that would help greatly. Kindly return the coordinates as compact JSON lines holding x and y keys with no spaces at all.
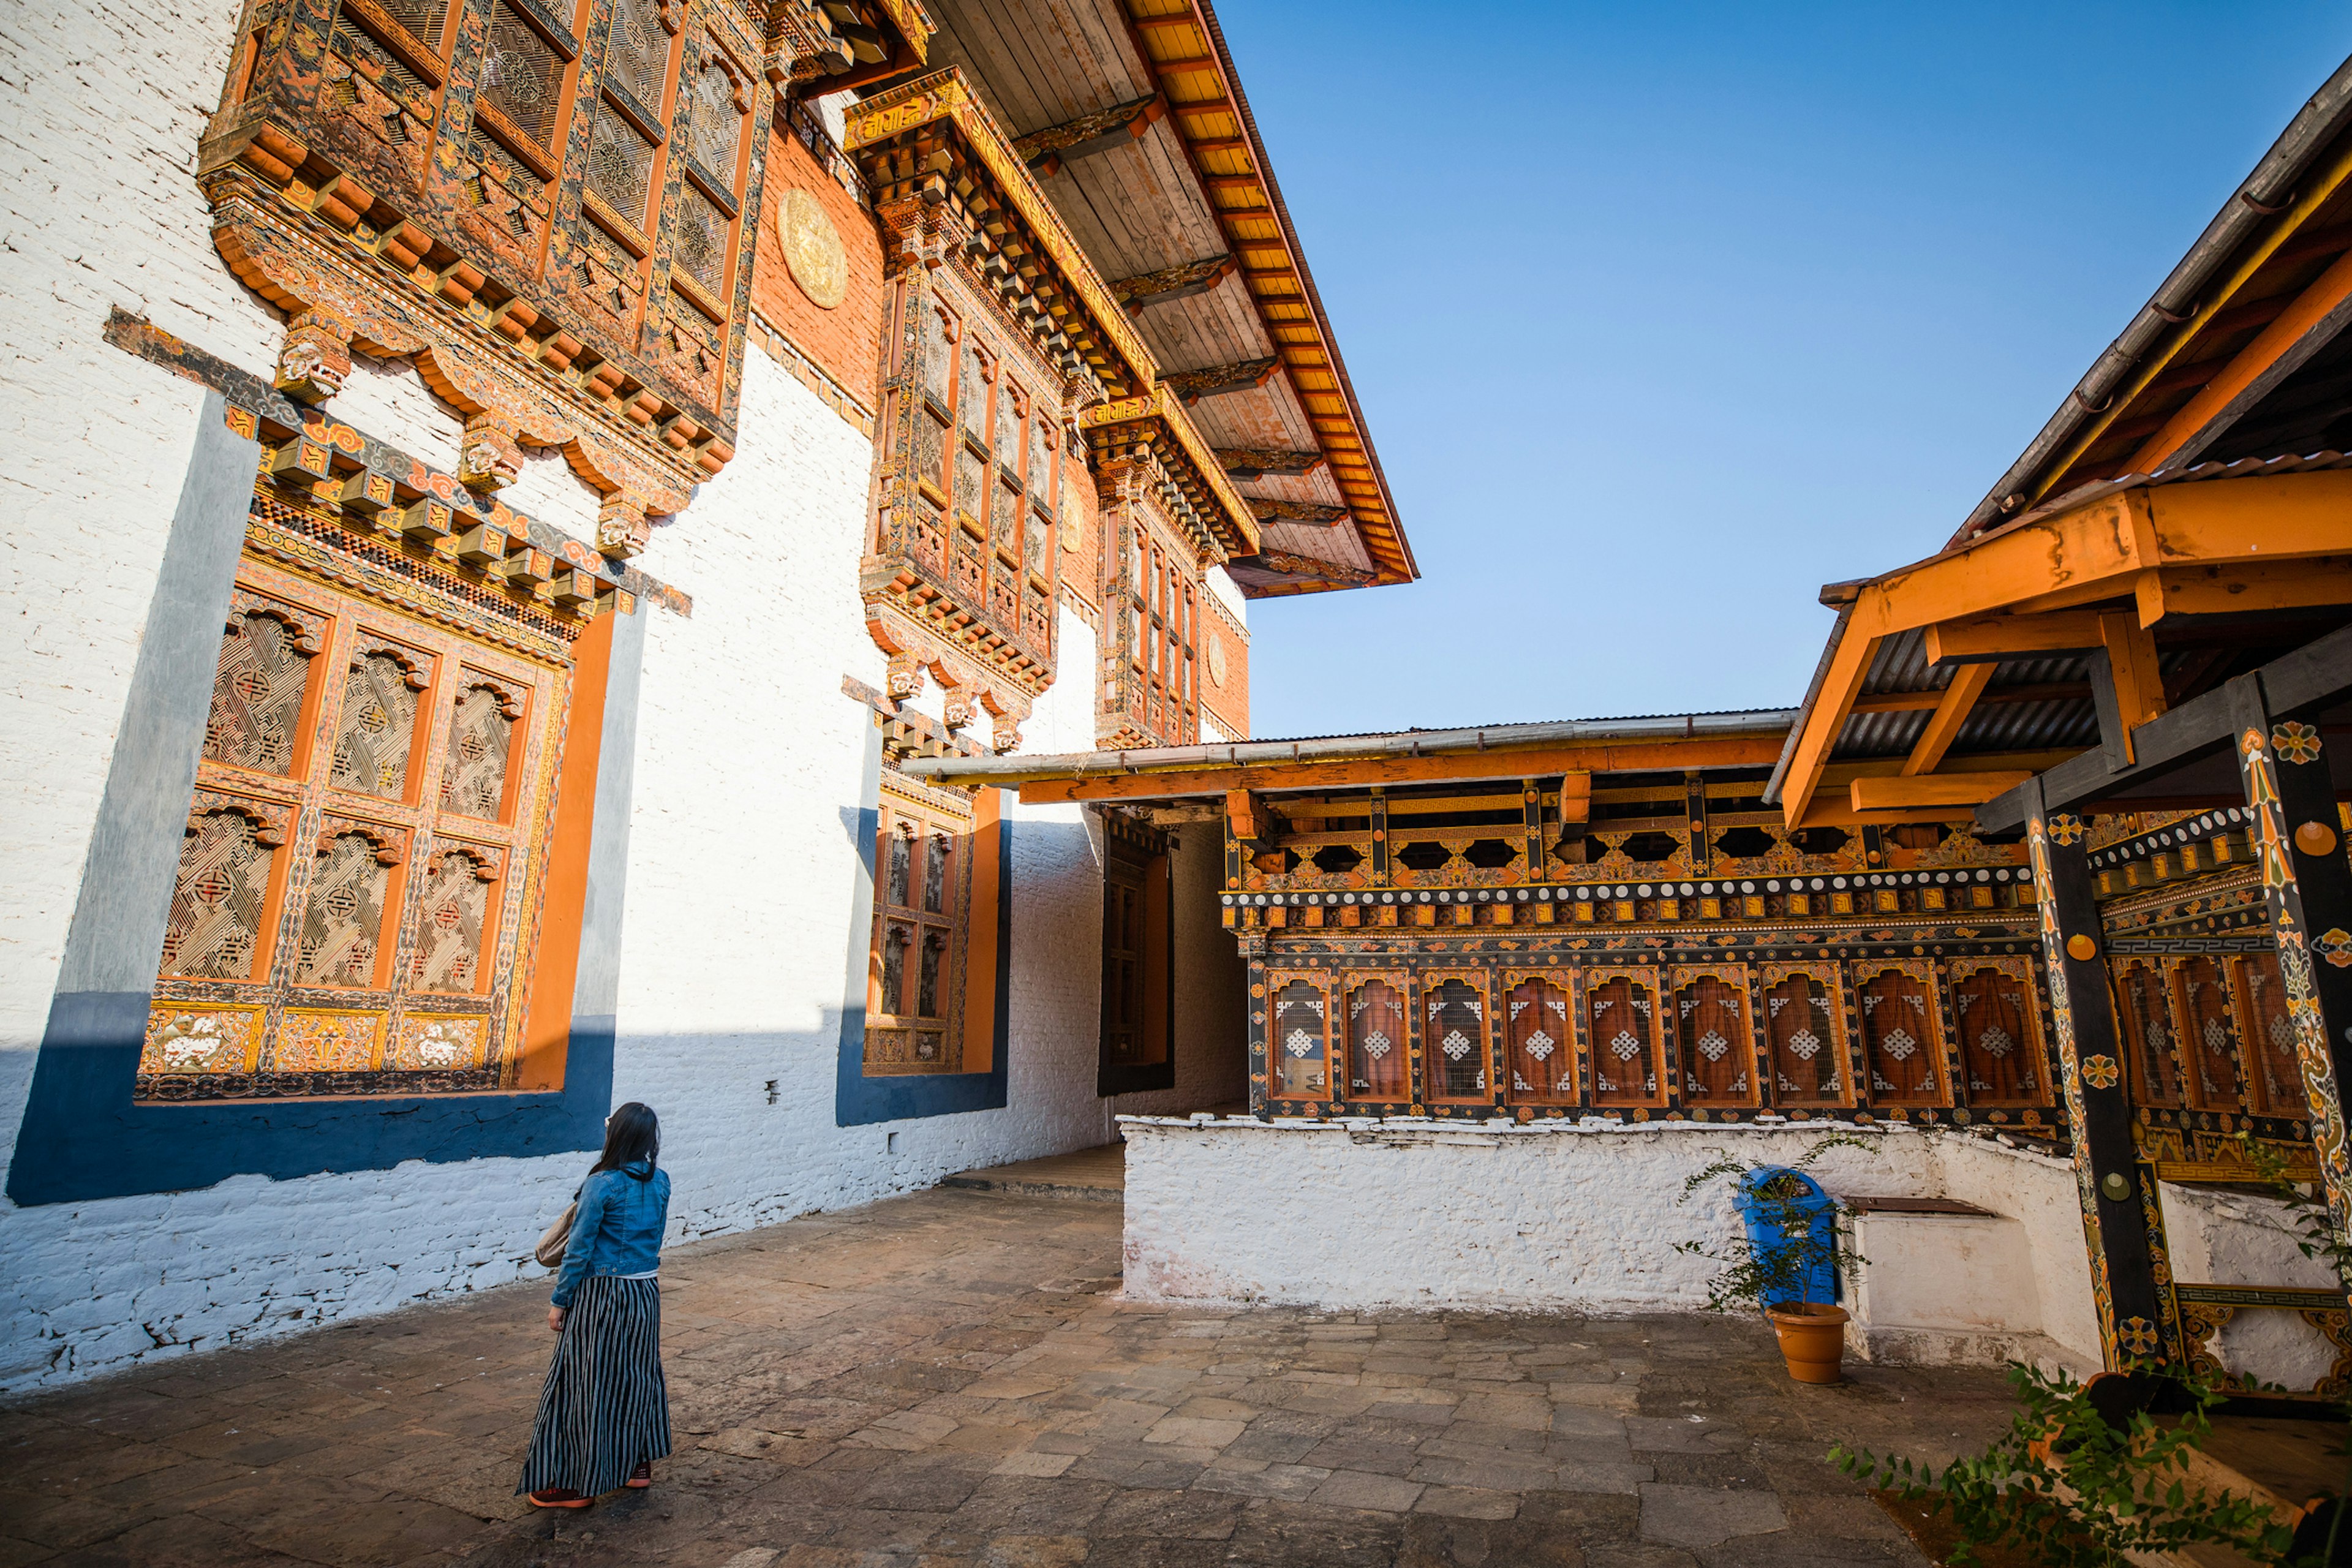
{"x":632,"y":1133}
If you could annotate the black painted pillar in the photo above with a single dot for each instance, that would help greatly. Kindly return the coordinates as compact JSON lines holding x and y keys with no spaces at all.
{"x":2307,"y":887}
{"x":2119,"y":1224}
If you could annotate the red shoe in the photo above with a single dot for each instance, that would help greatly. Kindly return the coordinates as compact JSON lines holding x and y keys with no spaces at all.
{"x":641,"y":1478}
{"x":559,"y":1497}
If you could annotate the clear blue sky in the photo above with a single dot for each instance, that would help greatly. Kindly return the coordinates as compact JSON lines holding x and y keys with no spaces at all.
{"x":1663,"y":316}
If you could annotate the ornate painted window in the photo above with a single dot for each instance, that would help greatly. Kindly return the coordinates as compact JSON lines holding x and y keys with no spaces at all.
{"x":1623,"y":1034}
{"x":1379,"y":1061}
{"x":2208,"y":1033}
{"x":1298,"y":1037}
{"x":1714,"y":1036}
{"x":1804,"y":1034}
{"x":356,"y":903}
{"x":1538,"y":1041}
{"x":1902,"y":1038}
{"x":934,"y":863}
{"x":2144,"y":1014}
{"x":1138,"y":996}
{"x":1453,"y":1036}
{"x":2273,"y":1072}
{"x":1998,"y":1020}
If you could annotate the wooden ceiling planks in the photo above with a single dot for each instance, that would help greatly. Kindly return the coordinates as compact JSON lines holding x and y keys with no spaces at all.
{"x":1193,"y":185}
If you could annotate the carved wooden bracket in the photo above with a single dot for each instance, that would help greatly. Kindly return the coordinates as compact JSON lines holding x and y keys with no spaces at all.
{"x":490,"y":457}
{"x":316,"y":357}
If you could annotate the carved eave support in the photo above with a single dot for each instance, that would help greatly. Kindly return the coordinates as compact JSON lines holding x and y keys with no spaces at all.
{"x":316,"y":358}
{"x":490,"y":457}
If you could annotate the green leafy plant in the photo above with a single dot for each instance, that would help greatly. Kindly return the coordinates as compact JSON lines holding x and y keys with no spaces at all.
{"x":2067,"y":1489}
{"x":1751,"y":1273}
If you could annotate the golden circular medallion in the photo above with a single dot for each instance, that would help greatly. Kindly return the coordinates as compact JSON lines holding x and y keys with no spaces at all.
{"x":1071,"y":519}
{"x":1216,"y":660}
{"x":812,"y":249}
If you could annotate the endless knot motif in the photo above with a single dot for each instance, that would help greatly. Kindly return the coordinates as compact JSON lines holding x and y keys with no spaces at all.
{"x":1900,"y":1045}
{"x":1625,"y":1047}
{"x":1995,"y":1042}
{"x":1804,"y":1042}
{"x":1539,"y":1045}
{"x":2282,"y":1034}
{"x":1376,"y":1044}
{"x":1300,"y":1043}
{"x":1456,"y":1044}
{"x":2217,"y":1036}
{"x":1711,"y":1046}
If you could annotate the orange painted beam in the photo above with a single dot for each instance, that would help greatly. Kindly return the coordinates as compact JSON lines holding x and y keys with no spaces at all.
{"x":1901,"y":794}
{"x":1826,"y":720}
{"x":1705,"y":751}
{"x":2326,"y":291}
{"x":2131,"y":666}
{"x":2240,"y":588}
{"x":1988,"y":639}
{"x":1959,"y":700}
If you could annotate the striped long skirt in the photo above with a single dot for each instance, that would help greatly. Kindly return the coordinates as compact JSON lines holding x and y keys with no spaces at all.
{"x":606,"y":1409}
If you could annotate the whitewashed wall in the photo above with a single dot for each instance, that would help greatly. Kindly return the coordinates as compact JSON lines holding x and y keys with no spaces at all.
{"x":1550,"y":1217}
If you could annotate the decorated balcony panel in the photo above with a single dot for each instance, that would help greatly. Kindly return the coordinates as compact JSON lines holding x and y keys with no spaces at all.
{"x":999,"y":335}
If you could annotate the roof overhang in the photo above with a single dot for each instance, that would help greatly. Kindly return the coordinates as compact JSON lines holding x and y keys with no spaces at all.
{"x":1412,"y":756}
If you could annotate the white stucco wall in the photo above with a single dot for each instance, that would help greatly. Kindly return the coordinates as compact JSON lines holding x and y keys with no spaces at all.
{"x":1492,"y":1217}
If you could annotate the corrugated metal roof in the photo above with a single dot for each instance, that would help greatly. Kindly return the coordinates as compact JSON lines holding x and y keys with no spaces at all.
{"x":2196,"y":473}
{"x":1993,"y":726}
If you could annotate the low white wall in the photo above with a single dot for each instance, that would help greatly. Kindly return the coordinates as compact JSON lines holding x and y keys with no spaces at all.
{"x":2223,"y":1237}
{"x":1402,"y":1215}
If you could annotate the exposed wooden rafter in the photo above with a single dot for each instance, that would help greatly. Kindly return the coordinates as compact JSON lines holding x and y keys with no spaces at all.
{"x":1306,"y":512}
{"x":1180,"y":282}
{"x":1046,"y":151}
{"x":1952,"y":710}
{"x":1256,"y":462}
{"x":1302,"y":568}
{"x":1209,"y":381}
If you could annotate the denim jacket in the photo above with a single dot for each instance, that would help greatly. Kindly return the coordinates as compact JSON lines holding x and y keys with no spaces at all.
{"x":618,"y":1229}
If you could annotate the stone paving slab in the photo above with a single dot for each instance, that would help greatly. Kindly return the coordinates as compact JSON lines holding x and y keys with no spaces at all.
{"x":949,"y":1381}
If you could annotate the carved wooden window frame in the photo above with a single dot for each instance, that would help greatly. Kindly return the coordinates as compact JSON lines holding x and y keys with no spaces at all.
{"x":2134,"y":1012}
{"x":2247,"y":980}
{"x":1933,"y":1039}
{"x":1511,"y":1037}
{"x":1830,"y":975}
{"x":894,"y":1038}
{"x":1735,"y":976}
{"x":2018,"y":969}
{"x":1589,"y":982}
{"x":1397,"y":1057}
{"x":1434,"y":1090}
{"x":392,"y":1033}
{"x":2228,"y":1097}
{"x":1317,"y":1089}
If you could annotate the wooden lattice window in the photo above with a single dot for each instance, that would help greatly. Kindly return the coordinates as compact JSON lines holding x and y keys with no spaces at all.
{"x":2000,"y":1027}
{"x":1156,"y":596}
{"x":1538,"y":1042}
{"x":352,"y":914}
{"x":2208,"y":1033}
{"x":922,"y":903}
{"x":1715,"y":1038}
{"x":2144,"y":1013}
{"x":1623,"y":1034}
{"x":1902,"y":1038}
{"x":1804,"y":1035}
{"x":2274,"y":1070}
{"x":1379,"y":1061}
{"x":1453,"y":1036}
{"x":1298,"y":1037}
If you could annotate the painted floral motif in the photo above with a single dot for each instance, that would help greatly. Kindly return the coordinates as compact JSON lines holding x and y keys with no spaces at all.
{"x":442,"y":1045}
{"x":197,"y":1042}
{"x":2101,"y":1072}
{"x":2136,"y":1336}
{"x":2334,"y":945}
{"x":2297,"y":743}
{"x":2065,"y":829}
{"x":325,"y":1042}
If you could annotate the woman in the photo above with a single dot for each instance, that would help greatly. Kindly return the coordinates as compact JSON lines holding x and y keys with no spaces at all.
{"x":604,"y":1417}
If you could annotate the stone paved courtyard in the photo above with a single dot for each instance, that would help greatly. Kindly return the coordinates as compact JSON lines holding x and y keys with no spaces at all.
{"x":947,"y":1380}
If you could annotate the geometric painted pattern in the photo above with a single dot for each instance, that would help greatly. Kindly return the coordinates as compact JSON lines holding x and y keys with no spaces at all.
{"x":215,"y":925}
{"x":342,"y":925}
{"x":377,"y":728}
{"x":256,"y":697}
{"x":455,"y":904}
{"x":480,"y":734}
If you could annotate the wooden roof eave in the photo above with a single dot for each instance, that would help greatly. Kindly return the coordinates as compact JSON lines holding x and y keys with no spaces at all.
{"x":2134,"y":543}
{"x":1234,"y":522}
{"x":1181,"y":38}
{"x":945,"y":95}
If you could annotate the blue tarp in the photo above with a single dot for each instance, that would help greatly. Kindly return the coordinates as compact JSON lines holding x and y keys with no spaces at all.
{"x":1766,"y":1218}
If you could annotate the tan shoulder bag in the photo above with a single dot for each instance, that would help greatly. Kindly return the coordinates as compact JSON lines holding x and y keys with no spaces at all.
{"x":556,"y":1237}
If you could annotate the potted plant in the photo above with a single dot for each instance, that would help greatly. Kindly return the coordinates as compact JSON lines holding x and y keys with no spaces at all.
{"x":1788,"y":1263}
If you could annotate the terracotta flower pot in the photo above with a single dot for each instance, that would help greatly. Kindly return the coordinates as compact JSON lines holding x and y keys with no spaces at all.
{"x":1812,"y":1339}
